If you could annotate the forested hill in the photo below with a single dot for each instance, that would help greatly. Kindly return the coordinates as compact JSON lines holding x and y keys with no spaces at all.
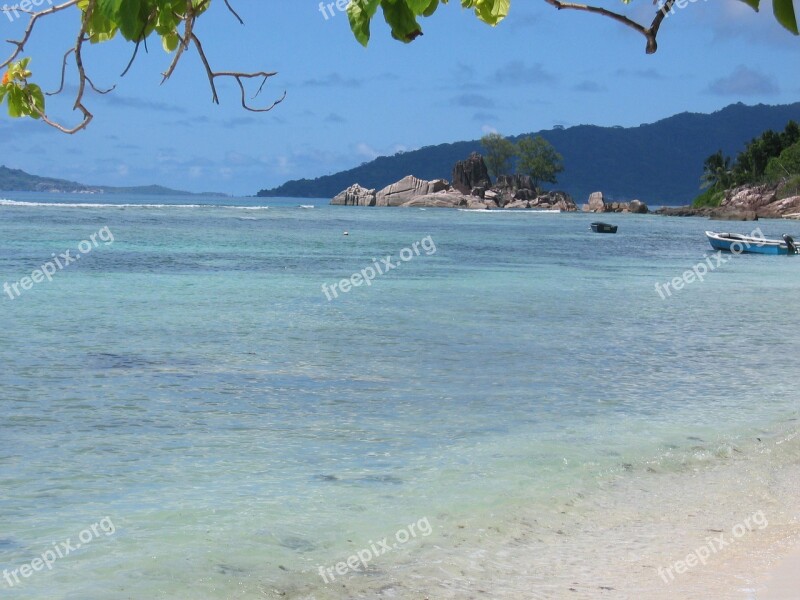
{"x":660,"y":163}
{"x":16,"y":180}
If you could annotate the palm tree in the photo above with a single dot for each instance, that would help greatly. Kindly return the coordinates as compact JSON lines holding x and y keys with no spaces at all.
{"x":717,"y":171}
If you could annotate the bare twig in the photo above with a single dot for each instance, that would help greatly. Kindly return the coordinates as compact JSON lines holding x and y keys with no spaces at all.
{"x":239,"y":77}
{"x":20,"y":44}
{"x":82,"y":78}
{"x":234,"y":13}
{"x":650,"y":33}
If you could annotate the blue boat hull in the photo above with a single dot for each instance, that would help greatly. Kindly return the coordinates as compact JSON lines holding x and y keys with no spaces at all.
{"x":748,"y":245}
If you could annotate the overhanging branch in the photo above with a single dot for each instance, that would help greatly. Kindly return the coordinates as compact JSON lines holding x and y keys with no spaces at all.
{"x":650,"y":33}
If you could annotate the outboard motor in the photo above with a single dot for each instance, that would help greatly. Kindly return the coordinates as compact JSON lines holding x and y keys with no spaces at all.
{"x":790,"y":243}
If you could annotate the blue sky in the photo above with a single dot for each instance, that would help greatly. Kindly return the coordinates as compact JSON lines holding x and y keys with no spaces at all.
{"x":346,"y":104}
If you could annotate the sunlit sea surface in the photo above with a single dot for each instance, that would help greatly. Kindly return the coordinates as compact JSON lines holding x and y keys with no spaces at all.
{"x":523,"y":389}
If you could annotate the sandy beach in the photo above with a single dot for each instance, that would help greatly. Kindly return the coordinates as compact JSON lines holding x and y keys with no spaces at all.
{"x":784,"y":581}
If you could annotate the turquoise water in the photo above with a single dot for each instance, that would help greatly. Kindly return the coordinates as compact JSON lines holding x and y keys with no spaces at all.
{"x":191,"y":381}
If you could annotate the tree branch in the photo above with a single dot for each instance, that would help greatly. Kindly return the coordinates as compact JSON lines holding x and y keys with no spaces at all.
{"x":20,"y":44}
{"x":650,"y":33}
{"x":213,"y":75}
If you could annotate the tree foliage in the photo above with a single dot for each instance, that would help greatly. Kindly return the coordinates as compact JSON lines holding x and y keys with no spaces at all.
{"x":539,"y":159}
{"x":173,"y":21}
{"x":770,"y":158}
{"x":717,"y":171}
{"x":784,"y":166}
{"x":500,"y":152}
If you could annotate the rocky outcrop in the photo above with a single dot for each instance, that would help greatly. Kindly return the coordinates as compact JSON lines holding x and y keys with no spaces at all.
{"x":407,"y":188}
{"x":471,"y":189}
{"x":597,"y":204}
{"x":715,"y":214}
{"x":745,"y":203}
{"x":514,"y":183}
{"x":555,"y":200}
{"x":355,"y":195}
{"x":470,"y":174}
{"x":762,"y":200}
{"x":444,"y":199}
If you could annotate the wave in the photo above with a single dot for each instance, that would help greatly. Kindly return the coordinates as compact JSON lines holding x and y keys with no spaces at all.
{"x":508,"y":212}
{"x":4,"y":202}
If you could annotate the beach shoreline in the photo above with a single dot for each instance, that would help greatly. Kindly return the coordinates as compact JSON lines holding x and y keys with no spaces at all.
{"x":632,"y":538}
{"x":783,"y":582}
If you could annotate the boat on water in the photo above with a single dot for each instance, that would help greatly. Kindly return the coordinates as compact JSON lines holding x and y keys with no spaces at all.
{"x":603,"y":228}
{"x":739,"y":244}
{"x":306,"y":206}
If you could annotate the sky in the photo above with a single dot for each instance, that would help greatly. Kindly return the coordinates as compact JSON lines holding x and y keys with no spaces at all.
{"x":346,"y":104}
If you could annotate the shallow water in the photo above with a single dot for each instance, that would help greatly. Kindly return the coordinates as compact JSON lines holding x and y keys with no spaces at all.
{"x":192,"y":382}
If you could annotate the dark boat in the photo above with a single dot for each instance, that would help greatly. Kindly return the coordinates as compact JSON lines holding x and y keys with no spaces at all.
{"x":603,"y":228}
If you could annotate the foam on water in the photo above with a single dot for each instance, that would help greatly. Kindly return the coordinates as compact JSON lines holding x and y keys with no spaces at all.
{"x":28,"y":204}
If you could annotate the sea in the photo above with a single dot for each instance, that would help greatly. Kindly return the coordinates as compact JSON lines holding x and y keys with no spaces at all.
{"x":248,"y":398}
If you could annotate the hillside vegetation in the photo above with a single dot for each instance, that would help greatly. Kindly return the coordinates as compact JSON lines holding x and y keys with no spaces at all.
{"x":772,"y":158}
{"x":659,"y":163}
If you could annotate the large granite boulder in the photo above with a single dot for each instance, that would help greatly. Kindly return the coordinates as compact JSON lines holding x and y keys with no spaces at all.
{"x":407,"y":188}
{"x":524,"y":194}
{"x":555,"y":200}
{"x":471,"y":173}
{"x":748,"y":197}
{"x":638,"y":207}
{"x":512,"y":183}
{"x":596,"y":204}
{"x":788,"y":208}
{"x":516,"y":204}
{"x":355,"y":195}
{"x":478,"y":204}
{"x":442,"y":199}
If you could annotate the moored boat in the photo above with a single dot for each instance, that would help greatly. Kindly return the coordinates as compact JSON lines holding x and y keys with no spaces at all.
{"x":739,"y":244}
{"x":603,"y":228}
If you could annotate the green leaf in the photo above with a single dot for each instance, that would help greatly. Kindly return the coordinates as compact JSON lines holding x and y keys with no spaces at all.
{"x":170,"y":41}
{"x":784,"y":12}
{"x":434,"y":4}
{"x":360,"y":13}
{"x":754,"y":4}
{"x":401,"y":19}
{"x":35,"y":101}
{"x":131,"y":20}
{"x":15,"y":102}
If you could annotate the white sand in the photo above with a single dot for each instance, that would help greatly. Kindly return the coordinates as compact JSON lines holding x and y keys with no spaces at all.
{"x":784,"y":581}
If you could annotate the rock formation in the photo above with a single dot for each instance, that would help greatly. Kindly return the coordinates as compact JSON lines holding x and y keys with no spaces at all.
{"x":598,"y":204}
{"x":745,"y":203}
{"x":471,"y":189}
{"x":355,"y":195}
{"x":407,"y":188}
{"x":470,"y":174}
